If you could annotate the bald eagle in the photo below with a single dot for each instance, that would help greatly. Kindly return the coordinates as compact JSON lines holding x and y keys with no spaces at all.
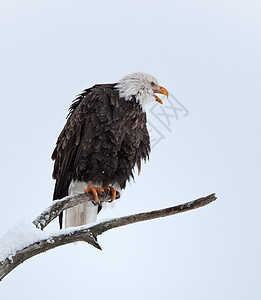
{"x":104,"y":138}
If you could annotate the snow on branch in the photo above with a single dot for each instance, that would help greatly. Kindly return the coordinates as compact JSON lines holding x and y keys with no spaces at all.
{"x":51,"y":212}
{"x":15,"y":247}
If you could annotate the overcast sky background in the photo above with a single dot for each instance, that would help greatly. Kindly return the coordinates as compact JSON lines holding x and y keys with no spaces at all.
{"x":207,"y":53}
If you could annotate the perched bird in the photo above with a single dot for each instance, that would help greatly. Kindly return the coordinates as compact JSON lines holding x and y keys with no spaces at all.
{"x":104,"y":138}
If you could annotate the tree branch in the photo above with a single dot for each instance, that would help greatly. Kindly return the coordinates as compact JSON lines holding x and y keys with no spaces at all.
{"x":51,"y":212}
{"x":62,"y":238}
{"x":87,"y":233}
{"x":114,"y":223}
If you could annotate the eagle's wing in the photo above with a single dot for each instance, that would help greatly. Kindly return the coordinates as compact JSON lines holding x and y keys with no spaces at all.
{"x":78,"y":135}
{"x":68,"y":144}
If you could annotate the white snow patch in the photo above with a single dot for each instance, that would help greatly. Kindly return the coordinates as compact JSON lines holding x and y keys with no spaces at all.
{"x":24,"y":233}
{"x":19,"y":236}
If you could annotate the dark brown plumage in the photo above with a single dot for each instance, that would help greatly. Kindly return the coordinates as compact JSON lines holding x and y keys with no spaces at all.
{"x":104,"y":137}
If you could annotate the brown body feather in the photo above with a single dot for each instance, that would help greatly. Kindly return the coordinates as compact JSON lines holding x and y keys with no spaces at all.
{"x":104,"y":137}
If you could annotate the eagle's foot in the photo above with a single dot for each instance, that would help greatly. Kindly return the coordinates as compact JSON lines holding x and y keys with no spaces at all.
{"x":95,"y":191}
{"x":114,"y":193}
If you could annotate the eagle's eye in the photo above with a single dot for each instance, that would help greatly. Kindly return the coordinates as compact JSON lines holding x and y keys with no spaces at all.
{"x":152,"y":83}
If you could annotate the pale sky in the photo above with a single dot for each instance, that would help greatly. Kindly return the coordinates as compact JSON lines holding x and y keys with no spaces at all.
{"x":207,"y":54}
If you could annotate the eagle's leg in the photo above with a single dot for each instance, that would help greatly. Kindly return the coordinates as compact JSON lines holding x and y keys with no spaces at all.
{"x":114,"y":193}
{"x":95,"y":191}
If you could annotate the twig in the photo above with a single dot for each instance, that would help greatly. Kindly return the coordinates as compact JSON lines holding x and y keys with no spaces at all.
{"x":51,"y":212}
{"x":104,"y":226}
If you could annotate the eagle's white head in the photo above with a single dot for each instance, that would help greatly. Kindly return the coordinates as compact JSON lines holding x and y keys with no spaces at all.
{"x":141,"y":85}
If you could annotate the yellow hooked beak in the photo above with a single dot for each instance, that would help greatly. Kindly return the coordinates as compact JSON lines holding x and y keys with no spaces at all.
{"x":160,"y":90}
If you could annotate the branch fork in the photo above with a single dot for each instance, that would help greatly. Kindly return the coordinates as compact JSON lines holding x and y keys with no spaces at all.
{"x":87,"y":233}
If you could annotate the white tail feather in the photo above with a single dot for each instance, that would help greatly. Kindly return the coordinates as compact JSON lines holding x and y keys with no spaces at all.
{"x":83,"y":213}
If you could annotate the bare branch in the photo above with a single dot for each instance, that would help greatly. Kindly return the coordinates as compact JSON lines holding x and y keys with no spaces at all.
{"x":104,"y":226}
{"x":89,"y":232}
{"x":51,"y":212}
